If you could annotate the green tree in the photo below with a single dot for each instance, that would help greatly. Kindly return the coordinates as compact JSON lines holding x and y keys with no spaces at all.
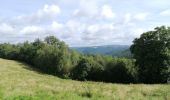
{"x":38,"y":44}
{"x":47,"y":59}
{"x":9,"y":51}
{"x":27,"y":52}
{"x":82,"y":70}
{"x":152,"y":54}
{"x":120,"y":70}
{"x":51,"y":40}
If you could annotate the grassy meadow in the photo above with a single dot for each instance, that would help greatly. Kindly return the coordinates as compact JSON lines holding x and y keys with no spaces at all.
{"x":20,"y":82}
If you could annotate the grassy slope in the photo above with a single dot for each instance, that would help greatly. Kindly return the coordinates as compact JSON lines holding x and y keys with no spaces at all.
{"x":17,"y":81}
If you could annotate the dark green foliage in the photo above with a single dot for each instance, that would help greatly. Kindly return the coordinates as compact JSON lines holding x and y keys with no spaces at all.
{"x":82,"y":70}
{"x":50,"y":56}
{"x":152,"y":54}
{"x":53,"y":57}
{"x":27,"y":52}
{"x":88,"y":69}
{"x":51,"y":40}
{"x":9,"y":51}
{"x":120,"y":71}
{"x":47,"y":59}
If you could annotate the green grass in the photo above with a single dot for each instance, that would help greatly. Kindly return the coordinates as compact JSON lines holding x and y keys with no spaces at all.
{"x":19,"y":82}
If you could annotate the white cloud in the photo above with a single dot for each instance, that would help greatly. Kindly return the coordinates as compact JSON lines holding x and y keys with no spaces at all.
{"x":75,"y":26}
{"x":32,"y":30}
{"x":127,"y":18}
{"x":99,"y":28}
{"x":99,"y":34}
{"x":107,"y":12}
{"x":91,"y":10}
{"x":56,"y":25}
{"x":87,"y":8}
{"x":141,"y":16}
{"x":6,"y":29}
{"x":93,"y":28}
{"x":165,"y":13}
{"x":158,"y":4}
{"x":7,"y":32}
{"x":137,"y":32}
{"x":48,"y":12}
{"x":50,"y":9}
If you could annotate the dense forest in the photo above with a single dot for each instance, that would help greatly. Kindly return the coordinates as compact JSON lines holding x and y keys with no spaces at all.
{"x":150,"y":62}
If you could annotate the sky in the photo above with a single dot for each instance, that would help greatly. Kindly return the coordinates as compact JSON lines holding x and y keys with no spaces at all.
{"x":81,"y":22}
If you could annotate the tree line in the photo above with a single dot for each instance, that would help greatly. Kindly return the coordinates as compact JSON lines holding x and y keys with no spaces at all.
{"x":150,"y":62}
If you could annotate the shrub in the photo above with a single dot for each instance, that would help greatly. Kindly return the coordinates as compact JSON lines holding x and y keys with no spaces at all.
{"x":120,"y":71}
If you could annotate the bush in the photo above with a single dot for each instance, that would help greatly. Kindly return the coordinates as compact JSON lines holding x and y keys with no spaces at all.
{"x":9,"y":51}
{"x":120,"y":71}
{"x":81,"y":71}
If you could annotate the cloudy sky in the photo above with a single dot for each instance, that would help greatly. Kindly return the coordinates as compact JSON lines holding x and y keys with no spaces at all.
{"x":81,"y":22}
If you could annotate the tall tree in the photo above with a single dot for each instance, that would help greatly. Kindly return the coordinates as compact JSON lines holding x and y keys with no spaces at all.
{"x":152,"y":54}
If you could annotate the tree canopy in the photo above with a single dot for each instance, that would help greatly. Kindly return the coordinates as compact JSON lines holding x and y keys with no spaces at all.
{"x":152,"y":54}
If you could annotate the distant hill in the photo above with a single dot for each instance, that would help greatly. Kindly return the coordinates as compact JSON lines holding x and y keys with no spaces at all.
{"x":113,"y":50}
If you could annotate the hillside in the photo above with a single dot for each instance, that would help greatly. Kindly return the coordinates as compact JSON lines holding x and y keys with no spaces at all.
{"x":18,"y":82}
{"x":113,"y":50}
